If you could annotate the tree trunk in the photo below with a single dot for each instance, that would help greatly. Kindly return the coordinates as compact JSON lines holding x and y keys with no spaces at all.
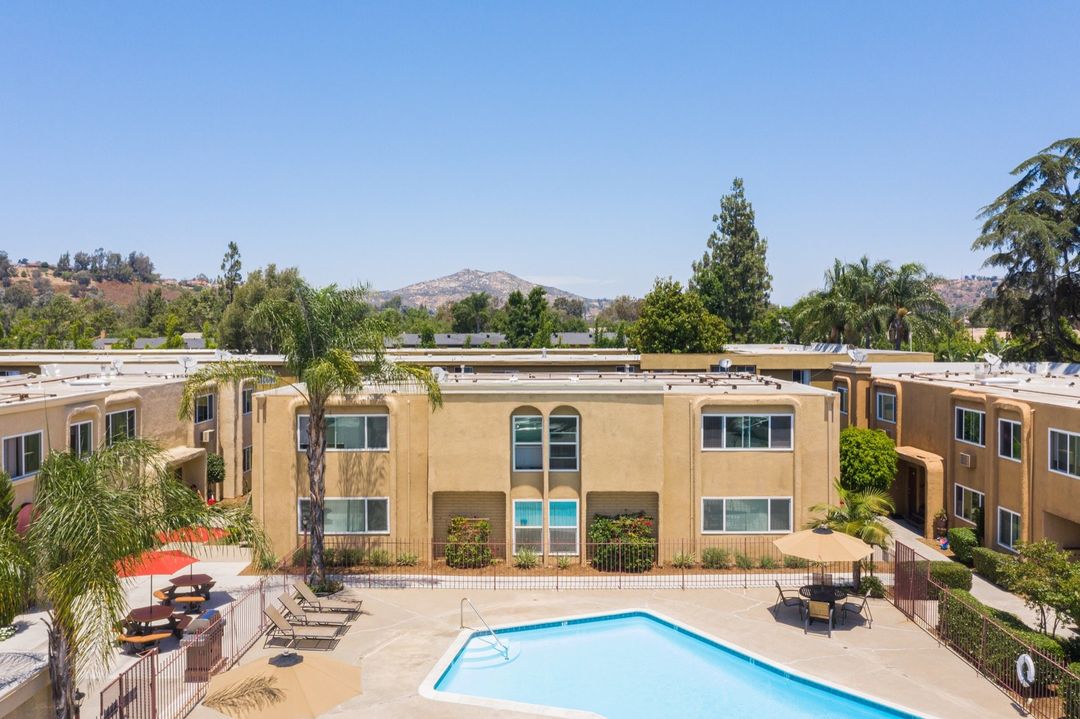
{"x":316,"y":458}
{"x":61,"y":673}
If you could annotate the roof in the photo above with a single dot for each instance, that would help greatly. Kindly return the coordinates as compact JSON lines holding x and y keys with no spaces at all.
{"x":476,"y":339}
{"x":28,"y":389}
{"x":1043,"y":382}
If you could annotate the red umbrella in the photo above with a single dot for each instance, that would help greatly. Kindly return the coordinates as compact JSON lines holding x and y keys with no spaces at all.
{"x":154,"y":562}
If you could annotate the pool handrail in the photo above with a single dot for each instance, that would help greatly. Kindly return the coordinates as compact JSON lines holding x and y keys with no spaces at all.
{"x":465,"y":600}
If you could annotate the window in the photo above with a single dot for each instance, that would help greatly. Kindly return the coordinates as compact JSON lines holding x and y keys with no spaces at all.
{"x":843,"y":392}
{"x":745,"y":514}
{"x":204,"y":408}
{"x":735,"y":369}
{"x":245,"y":461}
{"x":1009,"y":439}
{"x":563,"y":444}
{"x":1065,"y":452}
{"x":81,"y":439}
{"x":1008,"y":529}
{"x":22,"y":454}
{"x":886,"y":407}
{"x":971,"y":426}
{"x":720,"y":431}
{"x":528,"y":524}
{"x":245,"y":399}
{"x":802,"y":376}
{"x":528,"y":443}
{"x":563,"y":526}
{"x":119,"y":426}
{"x":349,"y":432}
{"x":966,"y":502}
{"x":349,"y":515}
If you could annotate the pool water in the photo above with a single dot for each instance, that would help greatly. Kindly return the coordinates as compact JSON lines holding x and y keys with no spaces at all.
{"x":636,"y":665}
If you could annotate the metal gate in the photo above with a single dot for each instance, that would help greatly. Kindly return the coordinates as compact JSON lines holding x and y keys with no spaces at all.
{"x":133,"y":694}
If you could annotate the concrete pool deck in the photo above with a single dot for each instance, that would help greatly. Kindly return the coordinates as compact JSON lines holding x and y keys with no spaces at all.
{"x":403,"y":633}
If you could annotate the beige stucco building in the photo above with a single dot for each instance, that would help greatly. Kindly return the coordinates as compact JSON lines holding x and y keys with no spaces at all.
{"x":539,"y":456}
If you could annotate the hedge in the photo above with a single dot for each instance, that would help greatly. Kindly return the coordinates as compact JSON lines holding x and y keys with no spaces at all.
{"x":991,"y":565}
{"x":1069,"y":691}
{"x":960,"y":624}
{"x":962,"y":541}
{"x":951,"y":575}
{"x":466,"y":543}
{"x":623,"y":542}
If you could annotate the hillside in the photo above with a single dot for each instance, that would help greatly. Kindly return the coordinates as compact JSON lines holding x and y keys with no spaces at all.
{"x":965,"y":294}
{"x":39,"y":279}
{"x":498,"y":284}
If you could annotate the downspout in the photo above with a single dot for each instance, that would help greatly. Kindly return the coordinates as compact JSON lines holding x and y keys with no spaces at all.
{"x":693,"y":477}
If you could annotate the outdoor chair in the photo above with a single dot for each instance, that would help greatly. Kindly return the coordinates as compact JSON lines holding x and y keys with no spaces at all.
{"x":818,"y":610}
{"x":295,"y":633}
{"x":862,"y":608}
{"x":788,"y":599}
{"x":323,"y":604}
{"x":305,"y":616}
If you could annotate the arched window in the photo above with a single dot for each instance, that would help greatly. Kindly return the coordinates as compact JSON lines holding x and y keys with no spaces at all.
{"x":527,"y":437}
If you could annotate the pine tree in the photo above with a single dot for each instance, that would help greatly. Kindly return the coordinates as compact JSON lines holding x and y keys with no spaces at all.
{"x":733,"y":277}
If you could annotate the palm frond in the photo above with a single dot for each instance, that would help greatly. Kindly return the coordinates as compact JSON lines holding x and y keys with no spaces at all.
{"x":246,"y":697}
{"x":216,"y":373}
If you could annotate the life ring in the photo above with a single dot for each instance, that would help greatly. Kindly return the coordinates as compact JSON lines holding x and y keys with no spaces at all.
{"x":1025,"y":670}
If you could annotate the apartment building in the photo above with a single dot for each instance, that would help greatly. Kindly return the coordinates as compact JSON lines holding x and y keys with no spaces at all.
{"x":538,"y":456}
{"x":1003,"y":439}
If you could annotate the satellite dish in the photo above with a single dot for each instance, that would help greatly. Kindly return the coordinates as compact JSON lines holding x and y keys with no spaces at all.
{"x":51,"y":370}
{"x":438,"y":373}
{"x":187,"y":363}
{"x":857,"y":355}
{"x":991,"y":359}
{"x":117,"y":365}
{"x":725,"y":364}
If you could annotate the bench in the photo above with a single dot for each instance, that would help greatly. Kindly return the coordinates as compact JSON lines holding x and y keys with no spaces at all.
{"x":163,"y":596}
{"x":190,"y":602}
{"x":136,"y":642}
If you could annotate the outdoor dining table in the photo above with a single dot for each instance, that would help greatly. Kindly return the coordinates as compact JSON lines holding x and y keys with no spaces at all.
{"x":200,"y":582}
{"x":823,"y":593}
{"x":144,"y":618}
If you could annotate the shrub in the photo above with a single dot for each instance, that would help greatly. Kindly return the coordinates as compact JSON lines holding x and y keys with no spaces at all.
{"x":623,"y":543}
{"x":301,"y":557}
{"x":715,"y":558}
{"x":346,"y":557}
{"x":960,"y":624}
{"x":564,"y":562}
{"x":951,"y":575}
{"x":768,"y":562}
{"x":407,"y":559}
{"x":683,"y":560}
{"x":1069,"y":691}
{"x":526,"y":558}
{"x":991,"y":565}
{"x":327,"y":586}
{"x":466,"y":543}
{"x":795,"y":562}
{"x":871,"y":586}
{"x":962,"y":541}
{"x":743,"y":561}
{"x":867,"y":459}
{"x":380,"y":558}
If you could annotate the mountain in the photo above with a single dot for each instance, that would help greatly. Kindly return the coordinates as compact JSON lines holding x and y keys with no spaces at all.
{"x":498,"y":284}
{"x":965,"y":294}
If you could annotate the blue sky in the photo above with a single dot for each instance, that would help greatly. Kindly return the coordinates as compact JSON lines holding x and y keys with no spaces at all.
{"x":581,"y":144}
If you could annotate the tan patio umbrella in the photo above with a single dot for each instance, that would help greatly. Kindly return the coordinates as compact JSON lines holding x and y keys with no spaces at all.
{"x":286,"y":686}
{"x":823,"y":545}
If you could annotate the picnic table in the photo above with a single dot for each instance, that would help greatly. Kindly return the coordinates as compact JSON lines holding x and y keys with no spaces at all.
{"x":200,"y":582}
{"x":148,"y":625}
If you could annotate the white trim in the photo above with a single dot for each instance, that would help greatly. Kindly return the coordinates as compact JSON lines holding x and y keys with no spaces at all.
{"x":1050,"y":452}
{"x":577,"y":529}
{"x":74,"y":450}
{"x":997,"y":527}
{"x":1017,"y":425}
{"x":878,"y":394}
{"x":300,"y":524}
{"x":514,"y":526}
{"x":22,"y":451}
{"x":723,"y":431}
{"x":246,"y":453}
{"x":576,"y":442}
{"x":982,"y":506}
{"x":768,"y":515}
{"x":247,"y":389}
{"x":108,"y":422}
{"x":210,"y":407}
{"x":300,"y":448}
{"x":957,"y":425}
{"x":514,"y":443}
{"x":845,"y":398}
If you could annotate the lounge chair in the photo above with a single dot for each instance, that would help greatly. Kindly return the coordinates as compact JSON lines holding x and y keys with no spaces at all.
{"x":862,"y":608}
{"x":296,"y":633}
{"x":324,"y":604}
{"x":789,"y":599}
{"x":818,"y":610}
{"x":307,"y":616}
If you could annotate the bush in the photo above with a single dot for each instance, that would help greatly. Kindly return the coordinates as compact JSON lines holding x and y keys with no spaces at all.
{"x":962,"y":541}
{"x":1069,"y":691}
{"x":301,"y":557}
{"x":767,"y":562}
{"x":867,"y":459}
{"x":715,"y":558}
{"x":380,"y":558}
{"x":526,"y":558}
{"x":327,"y":586}
{"x":215,"y":469}
{"x":871,"y":586}
{"x":466,"y":543}
{"x":743,"y":561}
{"x":564,"y":562}
{"x":960,"y":624}
{"x":795,"y":562}
{"x":951,"y":575}
{"x":346,"y":557}
{"x":683,"y":560}
{"x":407,"y":559}
{"x":623,"y":543}
{"x":991,"y":565}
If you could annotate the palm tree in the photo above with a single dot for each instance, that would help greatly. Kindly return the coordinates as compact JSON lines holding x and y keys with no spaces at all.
{"x":90,"y":514}
{"x":332,"y":344}
{"x":858,"y":513}
{"x":915,"y":302}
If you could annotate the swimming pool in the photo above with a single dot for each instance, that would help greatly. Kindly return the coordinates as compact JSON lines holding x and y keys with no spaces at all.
{"x":635,"y":665}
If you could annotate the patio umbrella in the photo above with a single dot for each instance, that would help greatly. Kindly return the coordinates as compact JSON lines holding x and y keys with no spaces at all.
{"x":193,"y":535}
{"x":154,"y":562}
{"x":285,"y":686}
{"x":823,"y":545}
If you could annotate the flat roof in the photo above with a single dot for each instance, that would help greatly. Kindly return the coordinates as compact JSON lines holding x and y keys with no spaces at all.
{"x":16,"y":390}
{"x":1044,"y":382}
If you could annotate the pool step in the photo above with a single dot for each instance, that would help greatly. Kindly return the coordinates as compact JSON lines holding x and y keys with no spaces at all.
{"x":482,"y":653}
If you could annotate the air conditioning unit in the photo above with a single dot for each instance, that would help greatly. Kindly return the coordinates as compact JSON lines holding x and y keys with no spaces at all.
{"x":207,"y":436}
{"x":967,"y":460}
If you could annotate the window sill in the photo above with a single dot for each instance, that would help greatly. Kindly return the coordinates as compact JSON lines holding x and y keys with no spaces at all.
{"x":23,"y":477}
{"x":747,"y":449}
{"x":970,"y":444}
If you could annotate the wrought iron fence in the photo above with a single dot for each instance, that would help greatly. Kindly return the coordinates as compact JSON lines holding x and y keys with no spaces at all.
{"x":984,"y":643}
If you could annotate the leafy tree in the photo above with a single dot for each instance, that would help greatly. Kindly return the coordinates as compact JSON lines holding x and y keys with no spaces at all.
{"x":676,"y":321}
{"x":237,"y":330}
{"x":867,"y":460}
{"x":623,"y":308}
{"x":332,"y":344}
{"x":64,"y":263}
{"x":472,"y":314}
{"x":1043,"y":575}
{"x":90,"y":514}
{"x":1033,"y":232}
{"x":230,"y":267}
{"x":215,"y":469}
{"x":527,"y":318}
{"x":733,"y":277}
{"x":859,"y":514}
